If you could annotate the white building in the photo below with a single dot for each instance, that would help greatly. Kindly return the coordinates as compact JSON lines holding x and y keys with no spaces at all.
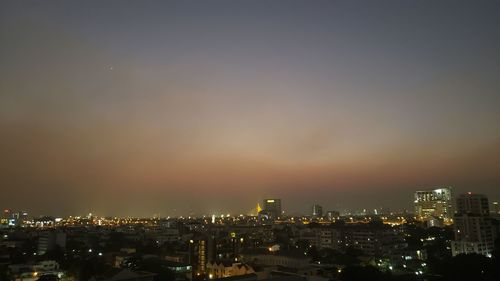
{"x":217,"y":270}
{"x":435,"y":203}
{"x":473,"y":229}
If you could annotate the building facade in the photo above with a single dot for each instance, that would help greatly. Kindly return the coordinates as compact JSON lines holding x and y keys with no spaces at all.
{"x":473,"y":226}
{"x":48,"y":240}
{"x":272,"y":207}
{"x":435,"y":203}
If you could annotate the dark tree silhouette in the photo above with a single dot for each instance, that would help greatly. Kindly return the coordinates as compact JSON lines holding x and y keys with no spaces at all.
{"x":363,"y":273}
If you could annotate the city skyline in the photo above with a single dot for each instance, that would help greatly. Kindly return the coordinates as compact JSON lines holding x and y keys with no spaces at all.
{"x":174,"y":107}
{"x":304,"y":211}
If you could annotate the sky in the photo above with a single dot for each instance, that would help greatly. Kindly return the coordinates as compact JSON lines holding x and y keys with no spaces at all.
{"x":199,"y":107}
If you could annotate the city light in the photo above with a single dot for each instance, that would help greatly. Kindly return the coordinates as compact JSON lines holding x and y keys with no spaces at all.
{"x":249,"y":140}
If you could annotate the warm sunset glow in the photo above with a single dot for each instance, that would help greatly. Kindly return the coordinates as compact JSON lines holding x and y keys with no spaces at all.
{"x":184,"y":109}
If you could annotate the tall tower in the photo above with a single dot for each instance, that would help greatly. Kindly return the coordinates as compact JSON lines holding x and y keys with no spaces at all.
{"x":258,"y":208}
{"x":473,"y":228}
{"x":317,"y":210}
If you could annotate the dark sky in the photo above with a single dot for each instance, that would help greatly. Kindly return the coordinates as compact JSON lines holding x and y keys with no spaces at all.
{"x":177,"y":107}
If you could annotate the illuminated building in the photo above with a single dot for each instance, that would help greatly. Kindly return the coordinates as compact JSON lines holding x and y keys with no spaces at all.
{"x":182,"y":270}
{"x":34,"y":271}
{"x":272,"y":207}
{"x":496,"y":208}
{"x":332,"y":215}
{"x":5,"y":217}
{"x":436,"y":203}
{"x":374,"y":239}
{"x":221,"y":269}
{"x":24,"y":216}
{"x":6,"y":214}
{"x":202,"y":250}
{"x":473,"y":228}
{"x":317,"y":210}
{"x":328,"y":238}
{"x":202,"y":255}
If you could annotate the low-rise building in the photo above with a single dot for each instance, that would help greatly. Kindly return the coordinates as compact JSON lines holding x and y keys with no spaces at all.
{"x":219,"y":269}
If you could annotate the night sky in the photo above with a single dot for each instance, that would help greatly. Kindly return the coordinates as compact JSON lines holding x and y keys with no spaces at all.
{"x":184,"y":107}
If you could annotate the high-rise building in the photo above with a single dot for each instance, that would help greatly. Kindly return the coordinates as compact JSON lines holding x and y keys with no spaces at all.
{"x":48,"y":240}
{"x":5,"y":217}
{"x":6,"y":214}
{"x":435,"y":203}
{"x":496,"y":208}
{"x":272,"y":207}
{"x":473,"y":227}
{"x":202,"y":249}
{"x":24,"y":215}
{"x":202,"y":256}
{"x":317,"y":210}
{"x":331,"y":215}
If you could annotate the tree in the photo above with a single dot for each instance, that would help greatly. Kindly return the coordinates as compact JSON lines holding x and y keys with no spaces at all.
{"x":363,"y":273}
{"x":4,"y":273}
{"x":468,"y":267}
{"x":163,"y":273}
{"x":90,"y":267}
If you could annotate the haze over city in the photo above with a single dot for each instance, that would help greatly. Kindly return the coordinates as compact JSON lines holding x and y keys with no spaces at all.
{"x":178,"y":108}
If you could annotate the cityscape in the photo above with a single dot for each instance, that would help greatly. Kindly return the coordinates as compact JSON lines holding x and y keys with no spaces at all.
{"x":424,"y":244}
{"x":249,"y":140}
